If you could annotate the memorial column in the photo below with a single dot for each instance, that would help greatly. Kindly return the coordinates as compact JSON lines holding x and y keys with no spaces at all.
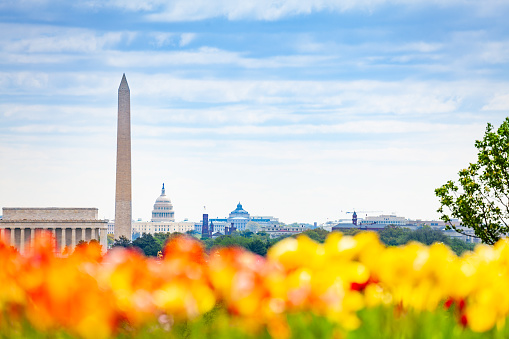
{"x":62,"y":240}
{"x":104,"y":240}
{"x":54,"y":237}
{"x":22,"y":241}
{"x":12,"y":237}
{"x":32,"y":236}
{"x":73,"y":238}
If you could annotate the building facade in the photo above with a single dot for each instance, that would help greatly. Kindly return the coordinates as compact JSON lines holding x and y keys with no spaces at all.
{"x":163,"y":209}
{"x":69,"y":226}
{"x":382,"y":220}
{"x":238,"y":220}
{"x":162,"y":221}
{"x":162,"y":227}
{"x":275,"y":231}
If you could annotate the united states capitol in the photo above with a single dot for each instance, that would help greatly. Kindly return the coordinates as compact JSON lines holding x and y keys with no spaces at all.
{"x":163,"y":221}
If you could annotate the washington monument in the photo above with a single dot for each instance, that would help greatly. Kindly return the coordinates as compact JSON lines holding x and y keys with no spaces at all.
{"x":123,"y":207}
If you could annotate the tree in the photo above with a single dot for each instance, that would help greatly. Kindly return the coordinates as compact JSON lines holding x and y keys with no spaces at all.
{"x":161,"y":238}
{"x":317,"y":234}
{"x":253,"y":226}
{"x":257,"y":246}
{"x":122,"y":241}
{"x":459,"y":246}
{"x":246,"y":233}
{"x":81,"y":243}
{"x":427,"y":236}
{"x":148,"y":244}
{"x":480,"y":197}
{"x":111,"y":240}
{"x":394,"y":235}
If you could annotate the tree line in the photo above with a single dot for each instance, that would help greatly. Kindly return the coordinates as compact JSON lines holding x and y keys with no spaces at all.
{"x":259,"y":243}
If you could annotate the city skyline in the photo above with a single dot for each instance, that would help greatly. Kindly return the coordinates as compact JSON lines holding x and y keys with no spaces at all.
{"x":298,"y":109}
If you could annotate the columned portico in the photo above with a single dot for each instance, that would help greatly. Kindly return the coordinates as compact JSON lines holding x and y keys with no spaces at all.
{"x":67,"y":226}
{"x":62,"y":240}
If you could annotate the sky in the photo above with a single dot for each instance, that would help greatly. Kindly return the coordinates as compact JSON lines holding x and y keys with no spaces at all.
{"x":299,"y":109}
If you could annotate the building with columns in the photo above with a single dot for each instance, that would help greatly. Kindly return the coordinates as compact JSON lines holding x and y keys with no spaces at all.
{"x":240,"y":220}
{"x":162,"y":221}
{"x":19,"y":226}
{"x":163,"y":209}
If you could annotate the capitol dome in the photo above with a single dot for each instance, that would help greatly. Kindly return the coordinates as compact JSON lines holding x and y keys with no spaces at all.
{"x":239,"y":218}
{"x":163,"y":209}
{"x":239,"y":211}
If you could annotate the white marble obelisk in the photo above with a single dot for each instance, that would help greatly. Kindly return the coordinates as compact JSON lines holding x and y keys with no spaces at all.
{"x":123,"y":205}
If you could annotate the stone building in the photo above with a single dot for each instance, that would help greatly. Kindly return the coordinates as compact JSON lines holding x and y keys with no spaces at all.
{"x":69,"y":226}
{"x":163,"y":220}
{"x":163,"y":208}
{"x":150,"y":227}
{"x":239,"y":220}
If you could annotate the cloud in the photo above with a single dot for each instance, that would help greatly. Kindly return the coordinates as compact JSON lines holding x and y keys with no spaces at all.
{"x":186,"y":38}
{"x":324,"y":97}
{"x":162,"y":38}
{"x":499,"y":102}
{"x":51,"y":39}
{"x":367,"y":128}
{"x":183,"y":10}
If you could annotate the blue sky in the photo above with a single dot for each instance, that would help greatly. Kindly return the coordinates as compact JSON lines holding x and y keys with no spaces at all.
{"x":298,"y":109}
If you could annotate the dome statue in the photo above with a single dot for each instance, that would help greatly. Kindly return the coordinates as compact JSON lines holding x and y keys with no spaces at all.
{"x":163,"y":209}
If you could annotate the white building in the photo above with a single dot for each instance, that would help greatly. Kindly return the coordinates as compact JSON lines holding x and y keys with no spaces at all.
{"x":275,"y":231}
{"x":163,"y":208}
{"x":68,"y":226}
{"x":382,"y":220}
{"x":111,"y":226}
{"x":241,"y":220}
{"x":162,"y":227}
{"x":163,"y":220}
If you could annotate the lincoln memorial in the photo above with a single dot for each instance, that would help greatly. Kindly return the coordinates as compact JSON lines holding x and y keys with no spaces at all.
{"x":69,"y":226}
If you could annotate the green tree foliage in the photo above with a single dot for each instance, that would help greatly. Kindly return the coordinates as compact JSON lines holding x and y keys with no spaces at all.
{"x":122,"y":242}
{"x":231,"y":240}
{"x":111,"y":240}
{"x":395,"y":236}
{"x":480,"y":197}
{"x":257,"y":246}
{"x":148,"y":244}
{"x":427,"y":236}
{"x":317,"y":234}
{"x":161,"y":238}
{"x":459,"y":246}
{"x":208,"y":243}
{"x":256,"y":243}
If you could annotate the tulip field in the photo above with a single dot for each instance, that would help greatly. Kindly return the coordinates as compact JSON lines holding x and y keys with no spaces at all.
{"x":348,"y":287}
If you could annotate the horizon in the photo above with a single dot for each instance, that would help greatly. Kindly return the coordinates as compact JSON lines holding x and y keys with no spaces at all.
{"x":299,"y":110}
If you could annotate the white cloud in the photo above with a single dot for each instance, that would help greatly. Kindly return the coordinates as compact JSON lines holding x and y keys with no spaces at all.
{"x":499,"y":102}
{"x":162,"y":38}
{"x":52,"y":39}
{"x":183,"y":10}
{"x":186,"y":38}
{"x":368,"y":128}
